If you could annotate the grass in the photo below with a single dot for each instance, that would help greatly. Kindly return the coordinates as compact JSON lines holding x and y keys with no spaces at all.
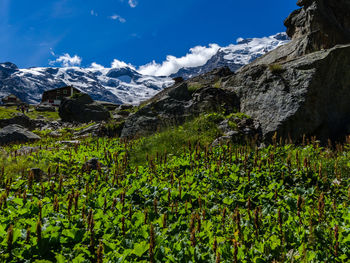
{"x":194,"y":86}
{"x":10,"y":112}
{"x":218,"y":84}
{"x":202,"y":130}
{"x":51,"y":116}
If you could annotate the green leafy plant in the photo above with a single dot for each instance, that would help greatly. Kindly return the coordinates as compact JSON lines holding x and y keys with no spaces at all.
{"x":195,"y":203}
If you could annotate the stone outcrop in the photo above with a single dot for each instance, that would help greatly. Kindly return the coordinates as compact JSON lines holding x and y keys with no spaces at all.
{"x":82,"y":109}
{"x":303,"y":87}
{"x":317,"y":25}
{"x":310,"y":95}
{"x":175,"y":105}
{"x":238,"y":128}
{"x":16,"y":134}
{"x":20,"y":119}
{"x":321,"y":24}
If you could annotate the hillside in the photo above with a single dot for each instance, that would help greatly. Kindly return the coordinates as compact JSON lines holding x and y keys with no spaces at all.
{"x":251,"y":166}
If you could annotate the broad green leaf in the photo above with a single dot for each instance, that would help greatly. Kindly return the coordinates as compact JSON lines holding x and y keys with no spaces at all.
{"x":141,"y":248}
{"x":60,"y":258}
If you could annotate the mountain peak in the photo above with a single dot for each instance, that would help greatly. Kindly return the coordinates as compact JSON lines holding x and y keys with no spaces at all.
{"x":8,"y":66}
{"x":235,"y":56}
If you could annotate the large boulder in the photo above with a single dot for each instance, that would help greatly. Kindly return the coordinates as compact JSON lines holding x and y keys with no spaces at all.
{"x":82,"y":109}
{"x":16,"y":134}
{"x":309,"y":95}
{"x":20,"y":119}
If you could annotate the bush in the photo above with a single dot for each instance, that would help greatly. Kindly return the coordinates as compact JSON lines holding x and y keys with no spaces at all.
{"x":276,"y":68}
{"x":193,"y":87}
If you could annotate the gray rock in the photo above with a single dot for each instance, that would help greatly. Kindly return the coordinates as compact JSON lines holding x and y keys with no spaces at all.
{"x":45,"y":107}
{"x":311,"y":96}
{"x":239,"y":129}
{"x":221,"y":141}
{"x":16,"y":134}
{"x":91,"y":130}
{"x":318,"y":25}
{"x":82,"y":109}
{"x":55,"y":134}
{"x":118,"y":117}
{"x":324,"y":23}
{"x":69,"y":143}
{"x":25,"y":150}
{"x":20,"y":119}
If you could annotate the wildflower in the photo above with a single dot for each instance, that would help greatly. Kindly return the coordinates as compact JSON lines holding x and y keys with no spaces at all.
{"x":10,"y":238}
{"x":100,"y":253}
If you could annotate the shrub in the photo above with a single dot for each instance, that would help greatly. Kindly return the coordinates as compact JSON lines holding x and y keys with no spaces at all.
{"x":193,"y":87}
{"x":217,"y":84}
{"x":276,"y":68}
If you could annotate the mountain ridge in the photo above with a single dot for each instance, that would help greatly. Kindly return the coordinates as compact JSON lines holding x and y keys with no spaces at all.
{"x":124,"y":85}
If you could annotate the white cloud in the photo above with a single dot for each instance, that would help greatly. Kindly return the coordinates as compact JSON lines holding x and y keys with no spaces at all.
{"x":94,"y":65}
{"x":118,"y":18}
{"x":121,"y":64}
{"x":93,"y":13}
{"x":67,"y":61}
{"x":197,"y":56}
{"x":132,"y":3}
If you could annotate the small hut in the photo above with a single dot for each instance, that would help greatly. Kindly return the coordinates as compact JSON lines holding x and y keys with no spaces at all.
{"x":11,"y":100}
{"x":55,"y":96}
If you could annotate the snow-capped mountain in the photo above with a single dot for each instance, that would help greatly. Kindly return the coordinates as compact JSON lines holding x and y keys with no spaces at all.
{"x":117,"y":85}
{"x":124,"y":85}
{"x":236,"y":56}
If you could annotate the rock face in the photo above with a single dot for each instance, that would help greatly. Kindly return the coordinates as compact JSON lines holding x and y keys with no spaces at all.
{"x":309,"y":96}
{"x":16,"y":134}
{"x":318,"y":25}
{"x":176,"y":104}
{"x":82,"y":109}
{"x":302,"y":87}
{"x":321,"y":24}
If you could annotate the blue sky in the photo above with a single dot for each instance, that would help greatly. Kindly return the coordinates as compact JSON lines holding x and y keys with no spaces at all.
{"x":33,"y":33}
